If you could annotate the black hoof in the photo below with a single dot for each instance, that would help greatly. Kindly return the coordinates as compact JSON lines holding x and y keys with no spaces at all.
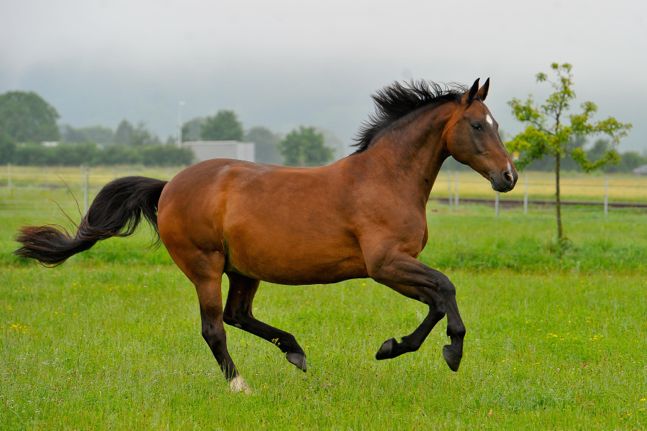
{"x":452,"y":358}
{"x":387,"y":350}
{"x":298,"y":359}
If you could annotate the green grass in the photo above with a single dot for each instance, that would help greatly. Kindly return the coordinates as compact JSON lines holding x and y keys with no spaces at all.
{"x":471,"y":237}
{"x":111,"y":339}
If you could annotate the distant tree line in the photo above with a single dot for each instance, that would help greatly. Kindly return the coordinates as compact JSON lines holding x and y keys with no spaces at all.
{"x":30,"y":135}
{"x":75,"y":154}
{"x":303,"y":146}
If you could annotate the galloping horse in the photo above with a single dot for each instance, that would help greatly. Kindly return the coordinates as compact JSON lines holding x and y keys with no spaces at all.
{"x":362,"y":216}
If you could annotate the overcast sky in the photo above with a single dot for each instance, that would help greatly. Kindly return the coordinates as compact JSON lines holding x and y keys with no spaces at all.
{"x":285,"y":63}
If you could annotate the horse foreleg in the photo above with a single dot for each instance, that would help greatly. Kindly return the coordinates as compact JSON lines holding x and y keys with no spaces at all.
{"x":453,"y":352}
{"x":238,"y":313}
{"x":412,"y":342}
{"x":412,"y":278}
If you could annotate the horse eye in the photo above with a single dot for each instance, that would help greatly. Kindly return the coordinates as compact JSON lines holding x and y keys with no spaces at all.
{"x":476,"y":126}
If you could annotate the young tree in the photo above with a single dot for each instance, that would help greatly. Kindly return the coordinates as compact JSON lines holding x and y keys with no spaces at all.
{"x":305,"y":147}
{"x":551,"y":131}
{"x":222,"y":126}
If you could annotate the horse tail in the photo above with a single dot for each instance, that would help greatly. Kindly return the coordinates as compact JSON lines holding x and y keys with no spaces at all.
{"x":116,"y":211}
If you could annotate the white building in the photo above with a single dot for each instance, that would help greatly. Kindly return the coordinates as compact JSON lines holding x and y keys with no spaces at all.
{"x":205,"y":150}
{"x":640,"y":170}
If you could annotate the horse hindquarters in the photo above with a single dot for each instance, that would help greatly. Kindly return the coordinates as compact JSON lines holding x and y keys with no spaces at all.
{"x":204,"y":269}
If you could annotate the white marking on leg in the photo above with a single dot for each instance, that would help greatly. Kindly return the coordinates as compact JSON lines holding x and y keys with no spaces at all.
{"x":237,"y":384}
{"x":489,"y":119}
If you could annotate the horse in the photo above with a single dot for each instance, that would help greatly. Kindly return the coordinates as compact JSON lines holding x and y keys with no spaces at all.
{"x":361,"y":216}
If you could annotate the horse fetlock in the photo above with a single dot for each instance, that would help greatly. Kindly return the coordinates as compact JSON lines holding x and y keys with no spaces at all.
{"x":456,"y":332}
{"x":409,"y":344}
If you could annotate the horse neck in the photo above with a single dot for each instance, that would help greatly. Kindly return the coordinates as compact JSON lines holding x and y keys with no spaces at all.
{"x":410,"y":155}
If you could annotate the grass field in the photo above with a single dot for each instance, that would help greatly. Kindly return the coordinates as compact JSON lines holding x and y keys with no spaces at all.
{"x":111,"y":339}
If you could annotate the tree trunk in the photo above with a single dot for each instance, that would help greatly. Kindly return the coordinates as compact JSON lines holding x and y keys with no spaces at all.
{"x":558,"y":202}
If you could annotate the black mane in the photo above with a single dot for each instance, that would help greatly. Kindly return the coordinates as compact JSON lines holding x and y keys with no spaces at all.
{"x":397,"y":100}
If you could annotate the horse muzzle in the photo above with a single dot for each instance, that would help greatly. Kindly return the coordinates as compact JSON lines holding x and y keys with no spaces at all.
{"x":505,"y":180}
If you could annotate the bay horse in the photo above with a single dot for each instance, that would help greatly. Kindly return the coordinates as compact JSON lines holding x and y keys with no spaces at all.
{"x":361,"y":216}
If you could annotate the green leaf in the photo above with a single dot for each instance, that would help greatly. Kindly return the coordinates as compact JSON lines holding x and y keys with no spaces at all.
{"x":550,"y":129}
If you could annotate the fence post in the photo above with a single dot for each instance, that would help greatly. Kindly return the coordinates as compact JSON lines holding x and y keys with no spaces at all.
{"x":86,"y":175}
{"x":9,"y":180}
{"x":449,"y":187}
{"x":525,"y":193}
{"x":606,"y":196}
{"x":496,"y":204}
{"x":456,"y":194}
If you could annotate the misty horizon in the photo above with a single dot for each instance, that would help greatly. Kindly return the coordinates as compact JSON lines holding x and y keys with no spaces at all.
{"x":290,"y":64}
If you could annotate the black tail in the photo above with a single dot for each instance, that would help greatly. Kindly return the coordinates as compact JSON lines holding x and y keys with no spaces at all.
{"x":116,"y":211}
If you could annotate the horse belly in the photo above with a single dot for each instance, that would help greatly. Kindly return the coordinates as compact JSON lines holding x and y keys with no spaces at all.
{"x":289,"y":255}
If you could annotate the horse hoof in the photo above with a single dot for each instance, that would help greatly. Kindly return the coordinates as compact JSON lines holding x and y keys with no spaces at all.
{"x":386,"y":351}
{"x":298,"y":359}
{"x":452,"y":358}
{"x":238,"y":384}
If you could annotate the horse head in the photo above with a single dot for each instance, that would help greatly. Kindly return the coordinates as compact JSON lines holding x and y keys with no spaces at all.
{"x":472,"y":137}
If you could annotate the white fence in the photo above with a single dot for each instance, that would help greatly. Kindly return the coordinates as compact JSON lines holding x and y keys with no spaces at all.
{"x":604,"y":191}
{"x":452,"y":187}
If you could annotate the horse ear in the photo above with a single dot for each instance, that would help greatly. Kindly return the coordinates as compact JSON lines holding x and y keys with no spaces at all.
{"x":482,"y":93}
{"x":472,"y":93}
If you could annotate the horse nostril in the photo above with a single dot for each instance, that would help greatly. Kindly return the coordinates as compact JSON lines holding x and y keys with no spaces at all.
{"x":507,"y":175}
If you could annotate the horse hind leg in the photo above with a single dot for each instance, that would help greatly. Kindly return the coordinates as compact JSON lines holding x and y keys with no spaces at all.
{"x":205,"y":271}
{"x":238,"y":313}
